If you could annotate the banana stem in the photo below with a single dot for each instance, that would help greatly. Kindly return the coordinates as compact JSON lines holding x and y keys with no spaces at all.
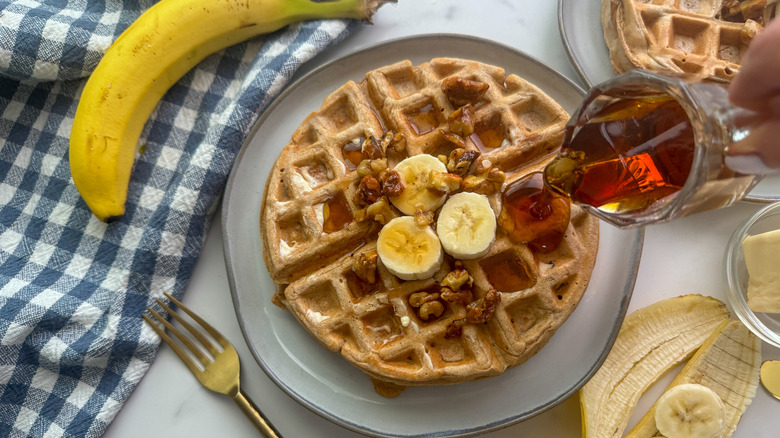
{"x":361,"y":9}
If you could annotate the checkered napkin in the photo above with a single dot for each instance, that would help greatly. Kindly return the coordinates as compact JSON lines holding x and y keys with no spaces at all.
{"x":72,"y":289}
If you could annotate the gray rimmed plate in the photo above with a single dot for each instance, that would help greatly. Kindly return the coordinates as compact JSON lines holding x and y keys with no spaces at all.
{"x":579,"y":22}
{"x":323,"y":381}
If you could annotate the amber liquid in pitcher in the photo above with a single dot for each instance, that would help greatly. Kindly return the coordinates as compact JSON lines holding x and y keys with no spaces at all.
{"x":627,"y":156}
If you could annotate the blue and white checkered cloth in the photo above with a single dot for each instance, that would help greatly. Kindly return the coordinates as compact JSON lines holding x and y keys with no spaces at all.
{"x":72,"y":289}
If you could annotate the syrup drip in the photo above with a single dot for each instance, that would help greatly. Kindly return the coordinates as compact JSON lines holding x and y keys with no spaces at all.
{"x":533,"y":214}
{"x":507,"y":272}
{"x":424,"y":120}
{"x":336,"y":213}
{"x":353,"y":153}
{"x":489,"y":135}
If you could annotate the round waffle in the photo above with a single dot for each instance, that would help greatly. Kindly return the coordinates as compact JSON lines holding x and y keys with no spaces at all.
{"x":701,"y":37}
{"x":315,"y":235}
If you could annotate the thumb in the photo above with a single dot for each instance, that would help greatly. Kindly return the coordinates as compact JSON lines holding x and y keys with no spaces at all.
{"x":759,"y":152}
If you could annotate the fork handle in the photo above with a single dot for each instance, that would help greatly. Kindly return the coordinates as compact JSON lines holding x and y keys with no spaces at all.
{"x":255,"y":415}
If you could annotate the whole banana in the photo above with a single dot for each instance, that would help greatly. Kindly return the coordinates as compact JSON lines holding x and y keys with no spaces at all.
{"x":163,"y":44}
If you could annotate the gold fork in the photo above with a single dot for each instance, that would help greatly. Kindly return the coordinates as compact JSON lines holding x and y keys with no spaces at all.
{"x":219,"y":374}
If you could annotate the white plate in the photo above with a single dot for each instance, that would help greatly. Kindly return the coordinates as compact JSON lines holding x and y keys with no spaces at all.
{"x":580,"y":25}
{"x":323,"y":381}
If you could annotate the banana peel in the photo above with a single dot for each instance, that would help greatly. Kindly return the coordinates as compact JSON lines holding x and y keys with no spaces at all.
{"x":651,"y":341}
{"x":163,"y":44}
{"x":728,"y":363}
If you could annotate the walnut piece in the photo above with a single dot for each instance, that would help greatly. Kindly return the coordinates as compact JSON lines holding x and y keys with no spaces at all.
{"x":368,"y":191}
{"x":462,"y":296}
{"x":373,"y":149}
{"x":427,"y":304}
{"x":455,"y":329}
{"x":397,"y":142}
{"x":486,"y":179}
{"x":457,"y":278}
{"x":392,"y":184}
{"x":431,"y":310}
{"x":443,"y":182}
{"x":364,"y":266}
{"x":453,"y":138}
{"x":380,"y":211}
{"x":460,"y":160}
{"x":461,"y":121}
{"x":372,"y":167}
{"x":752,"y":9}
{"x":483,"y":309}
{"x":461,"y":91}
{"x":423,"y":218}
{"x":749,"y":31}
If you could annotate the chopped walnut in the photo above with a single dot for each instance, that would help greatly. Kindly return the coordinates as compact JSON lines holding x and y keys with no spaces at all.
{"x":431,"y":310}
{"x":380,"y":211}
{"x":418,"y":298}
{"x":427,"y":304}
{"x":368,"y":191}
{"x":760,"y":11}
{"x":455,"y":329}
{"x":749,"y":31}
{"x":373,"y":149}
{"x":752,"y":9}
{"x":462,"y":296}
{"x":457,"y":278}
{"x":486,"y":179}
{"x":459,"y":161}
{"x":443,"y":182}
{"x":398,"y":141}
{"x":461,"y":121}
{"x":483,"y":309}
{"x":392,"y":184}
{"x":456,"y":286}
{"x":453,"y":138}
{"x":423,"y":218}
{"x":729,"y":10}
{"x":376,"y":148}
{"x":365,"y":266}
{"x":372,"y":167}
{"x":462,"y":91}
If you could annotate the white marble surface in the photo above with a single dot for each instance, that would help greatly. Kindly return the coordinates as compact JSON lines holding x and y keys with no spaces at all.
{"x":681,"y":257}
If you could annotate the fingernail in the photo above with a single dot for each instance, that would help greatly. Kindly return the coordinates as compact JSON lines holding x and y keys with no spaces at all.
{"x":747,"y":164}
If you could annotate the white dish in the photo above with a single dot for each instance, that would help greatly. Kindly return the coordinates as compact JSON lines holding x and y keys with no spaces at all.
{"x":580,"y":26}
{"x":323,"y":381}
{"x":765,"y":325}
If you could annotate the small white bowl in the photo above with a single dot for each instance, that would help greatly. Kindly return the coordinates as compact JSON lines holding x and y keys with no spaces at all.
{"x":765,"y":325}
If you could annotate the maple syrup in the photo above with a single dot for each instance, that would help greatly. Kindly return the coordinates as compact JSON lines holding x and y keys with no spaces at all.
{"x":627,"y":156}
{"x":336,"y":213}
{"x":533,"y":214}
{"x":507,"y":273}
{"x":353,"y":153}
{"x":424,"y":120}
{"x":488,"y":135}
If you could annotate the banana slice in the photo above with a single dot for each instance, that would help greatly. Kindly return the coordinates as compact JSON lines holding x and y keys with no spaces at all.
{"x":417,"y":173}
{"x":689,"y":410}
{"x":408,"y":250}
{"x":466,"y":225}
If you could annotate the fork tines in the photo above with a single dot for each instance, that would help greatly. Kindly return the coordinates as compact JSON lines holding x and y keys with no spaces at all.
{"x":184,"y":339}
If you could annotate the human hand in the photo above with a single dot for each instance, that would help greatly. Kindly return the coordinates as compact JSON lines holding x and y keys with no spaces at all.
{"x":757,"y":87}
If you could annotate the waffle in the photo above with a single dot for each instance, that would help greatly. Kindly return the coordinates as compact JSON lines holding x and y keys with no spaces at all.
{"x":706,"y":38}
{"x":312,"y":258}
